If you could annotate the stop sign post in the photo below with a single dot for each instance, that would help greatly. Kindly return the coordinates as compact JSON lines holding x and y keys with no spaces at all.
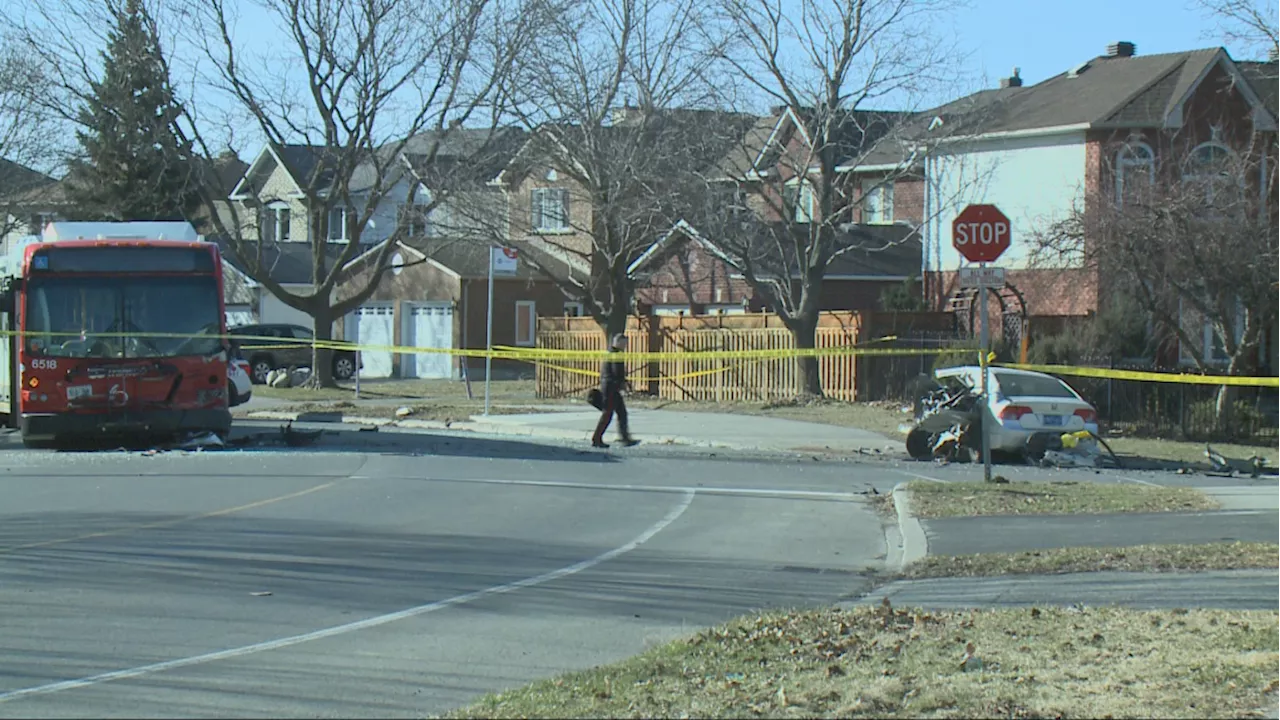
{"x":981,"y":234}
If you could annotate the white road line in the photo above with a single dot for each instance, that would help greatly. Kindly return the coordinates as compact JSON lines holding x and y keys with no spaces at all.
{"x":365,"y":624}
{"x":760,"y":492}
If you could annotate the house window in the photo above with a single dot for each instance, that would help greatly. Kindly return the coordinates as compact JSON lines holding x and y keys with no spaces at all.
{"x":1210,"y":165}
{"x":574,"y":309}
{"x":550,"y":207}
{"x":276,"y":225}
{"x":798,"y":201}
{"x":877,"y":202}
{"x":1135,"y":171}
{"x":526,"y":323}
{"x":36,"y":223}
{"x":338,"y":224}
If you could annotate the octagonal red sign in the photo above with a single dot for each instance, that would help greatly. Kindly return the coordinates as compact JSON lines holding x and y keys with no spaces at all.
{"x":980,"y":233}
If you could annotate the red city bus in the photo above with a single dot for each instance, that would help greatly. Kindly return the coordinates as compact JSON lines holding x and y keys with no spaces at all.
{"x":114,"y":338}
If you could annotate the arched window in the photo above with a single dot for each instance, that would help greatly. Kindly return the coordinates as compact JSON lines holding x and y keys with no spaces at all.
{"x":1212,"y":166}
{"x":276,"y":221}
{"x":1135,"y":171}
{"x":798,"y":197}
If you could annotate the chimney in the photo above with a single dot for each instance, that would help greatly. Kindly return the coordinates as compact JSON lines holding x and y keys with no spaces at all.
{"x":1012,"y":81}
{"x":1121,"y":49}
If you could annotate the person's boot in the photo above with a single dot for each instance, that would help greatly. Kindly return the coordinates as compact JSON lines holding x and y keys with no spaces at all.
{"x":598,"y":443}
{"x":629,"y":442}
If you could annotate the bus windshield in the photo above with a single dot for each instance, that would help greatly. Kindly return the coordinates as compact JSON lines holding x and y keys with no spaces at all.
{"x":122,"y":316}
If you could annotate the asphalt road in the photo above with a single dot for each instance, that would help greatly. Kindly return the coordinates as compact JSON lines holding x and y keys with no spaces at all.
{"x":389,"y":575}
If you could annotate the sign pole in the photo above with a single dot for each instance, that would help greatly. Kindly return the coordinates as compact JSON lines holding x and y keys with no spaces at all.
{"x":488,"y":358}
{"x":983,"y":341}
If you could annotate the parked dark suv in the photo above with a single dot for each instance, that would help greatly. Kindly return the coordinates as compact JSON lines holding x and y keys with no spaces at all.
{"x":285,"y":346}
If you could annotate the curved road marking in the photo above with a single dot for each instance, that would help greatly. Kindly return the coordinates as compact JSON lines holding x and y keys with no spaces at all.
{"x":168,"y":523}
{"x":640,"y":539}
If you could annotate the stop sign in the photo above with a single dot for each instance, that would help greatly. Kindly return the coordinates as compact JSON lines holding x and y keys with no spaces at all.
{"x":980,"y":233}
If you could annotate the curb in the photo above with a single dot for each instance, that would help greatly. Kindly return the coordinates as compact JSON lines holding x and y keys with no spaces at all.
{"x":914,"y":543}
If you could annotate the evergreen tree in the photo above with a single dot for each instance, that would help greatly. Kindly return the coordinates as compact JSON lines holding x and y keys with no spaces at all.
{"x":133,"y":166}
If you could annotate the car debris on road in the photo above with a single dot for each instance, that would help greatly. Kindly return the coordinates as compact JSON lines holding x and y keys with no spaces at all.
{"x":1029,"y":414}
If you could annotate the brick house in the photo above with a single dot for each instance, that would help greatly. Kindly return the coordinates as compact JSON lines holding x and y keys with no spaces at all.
{"x":551,"y":211}
{"x":435,"y":294}
{"x":1040,"y":152}
{"x":686,"y":274}
{"x":771,"y":172}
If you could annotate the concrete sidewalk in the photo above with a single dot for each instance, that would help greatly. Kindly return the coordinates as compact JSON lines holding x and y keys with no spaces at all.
{"x":661,"y":427}
{"x":1226,"y":589}
{"x":742,"y":432}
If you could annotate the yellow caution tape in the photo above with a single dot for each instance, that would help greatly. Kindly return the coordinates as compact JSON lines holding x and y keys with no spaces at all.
{"x":544,"y":355}
{"x":1145,"y":376}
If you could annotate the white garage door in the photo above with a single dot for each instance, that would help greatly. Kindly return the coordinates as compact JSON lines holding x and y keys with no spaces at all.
{"x":374,"y":327}
{"x":238,"y":315}
{"x":428,"y":325}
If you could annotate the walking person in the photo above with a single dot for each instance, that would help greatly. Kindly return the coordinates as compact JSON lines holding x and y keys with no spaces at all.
{"x":613,"y":379}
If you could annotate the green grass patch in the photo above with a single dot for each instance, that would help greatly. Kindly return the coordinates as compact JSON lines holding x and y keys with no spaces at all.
{"x":968,"y":499}
{"x":1138,"y":558}
{"x":903,"y":663}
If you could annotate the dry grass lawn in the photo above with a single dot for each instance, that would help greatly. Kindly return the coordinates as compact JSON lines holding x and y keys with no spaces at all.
{"x":901,"y":663}
{"x":1139,"y":558}
{"x":452,"y":391}
{"x":882,"y":418}
{"x":968,"y":499}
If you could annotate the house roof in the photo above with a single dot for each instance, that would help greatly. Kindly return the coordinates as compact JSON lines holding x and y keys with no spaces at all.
{"x":689,"y":139}
{"x":17,"y":179}
{"x":470,"y":260}
{"x":287,"y":263}
{"x":888,"y":251}
{"x":1106,"y":92}
{"x":1265,"y":79}
{"x":858,"y":137}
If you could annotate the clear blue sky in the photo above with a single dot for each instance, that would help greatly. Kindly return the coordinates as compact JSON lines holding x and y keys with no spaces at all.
{"x":1041,"y":37}
{"x":1046,"y":37}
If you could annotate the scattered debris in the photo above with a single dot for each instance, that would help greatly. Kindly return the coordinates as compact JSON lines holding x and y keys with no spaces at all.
{"x":298,"y":438}
{"x":261,"y":593}
{"x":1217,"y":462}
{"x":201,"y":442}
{"x":404,"y":412}
{"x":970,"y":662}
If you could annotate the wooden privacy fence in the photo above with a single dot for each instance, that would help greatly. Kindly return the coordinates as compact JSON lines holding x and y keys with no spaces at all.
{"x":720,"y":380}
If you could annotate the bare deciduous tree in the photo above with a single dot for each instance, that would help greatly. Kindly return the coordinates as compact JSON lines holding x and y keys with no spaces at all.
{"x":824,"y":63}
{"x":615,"y":94}
{"x":1255,"y":24}
{"x":354,"y":87}
{"x":1191,"y":239}
{"x":28,"y":138}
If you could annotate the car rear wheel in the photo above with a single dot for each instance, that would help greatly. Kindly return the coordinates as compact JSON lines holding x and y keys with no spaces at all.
{"x":260,"y":367}
{"x":343,"y":367}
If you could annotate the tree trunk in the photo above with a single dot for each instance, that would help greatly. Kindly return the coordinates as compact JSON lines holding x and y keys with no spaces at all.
{"x":804,"y":328}
{"x":322,"y":357}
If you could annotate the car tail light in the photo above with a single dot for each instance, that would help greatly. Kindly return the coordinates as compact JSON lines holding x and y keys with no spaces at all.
{"x":1088,"y":415}
{"x":1015,"y":412}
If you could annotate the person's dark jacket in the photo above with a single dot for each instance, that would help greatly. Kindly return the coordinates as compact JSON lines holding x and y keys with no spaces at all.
{"x":613,"y":375}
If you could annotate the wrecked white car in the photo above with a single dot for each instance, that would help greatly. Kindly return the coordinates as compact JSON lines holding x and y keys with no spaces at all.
{"x":1027,"y":414}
